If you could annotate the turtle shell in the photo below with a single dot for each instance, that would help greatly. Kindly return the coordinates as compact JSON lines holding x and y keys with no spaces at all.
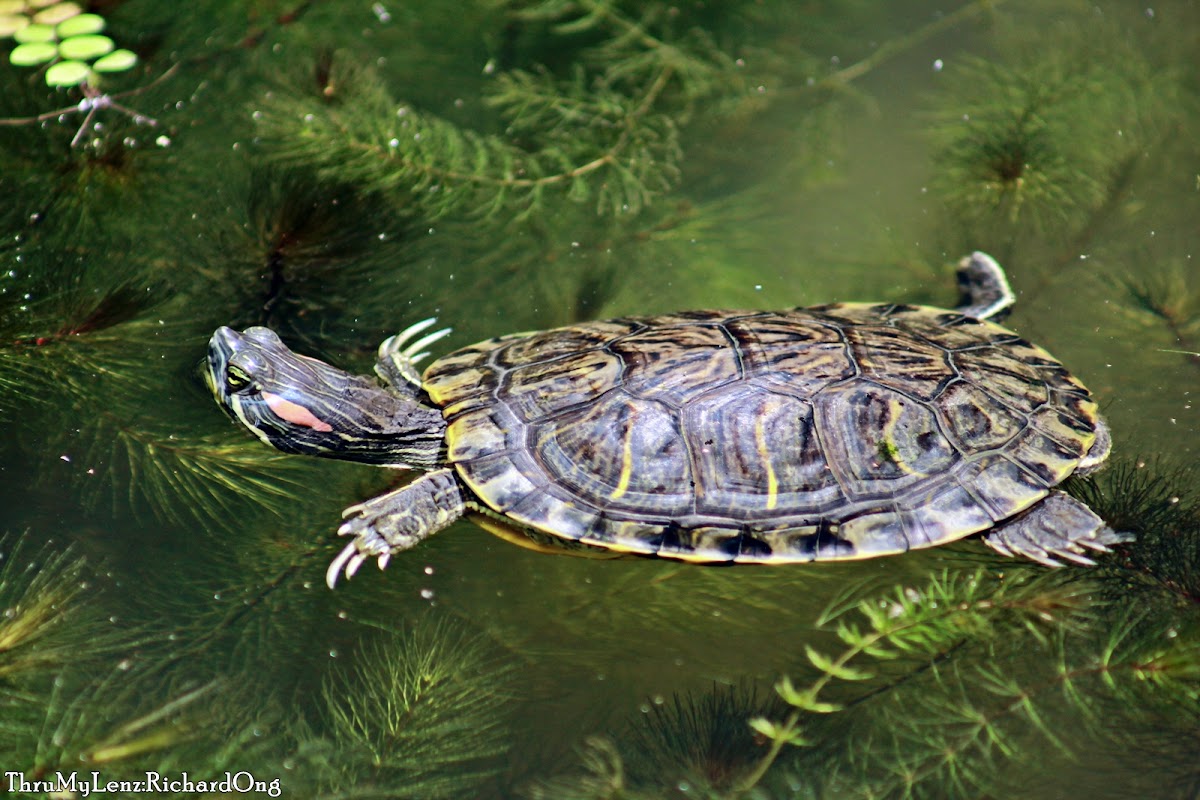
{"x":833,"y":432}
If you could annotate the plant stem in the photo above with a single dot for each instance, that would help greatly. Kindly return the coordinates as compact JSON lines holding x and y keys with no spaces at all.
{"x":895,"y":47}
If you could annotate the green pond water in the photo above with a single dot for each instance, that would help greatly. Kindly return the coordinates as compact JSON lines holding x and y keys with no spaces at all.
{"x":340,"y":170}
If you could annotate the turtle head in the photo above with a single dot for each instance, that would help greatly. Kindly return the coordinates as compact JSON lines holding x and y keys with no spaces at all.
{"x":301,"y":405}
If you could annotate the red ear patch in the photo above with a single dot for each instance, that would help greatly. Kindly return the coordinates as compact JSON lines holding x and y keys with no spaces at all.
{"x":295,"y":413}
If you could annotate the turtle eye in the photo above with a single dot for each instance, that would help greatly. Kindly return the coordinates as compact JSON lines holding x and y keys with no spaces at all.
{"x":236,"y":378}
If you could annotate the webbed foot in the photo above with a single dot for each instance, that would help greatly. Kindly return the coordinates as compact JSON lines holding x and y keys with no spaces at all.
{"x":396,"y":521}
{"x":1059,"y":527}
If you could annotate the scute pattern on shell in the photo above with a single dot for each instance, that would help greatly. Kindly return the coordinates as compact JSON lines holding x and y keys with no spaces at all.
{"x":833,"y":432}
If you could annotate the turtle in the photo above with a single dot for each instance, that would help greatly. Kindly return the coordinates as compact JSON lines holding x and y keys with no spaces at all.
{"x":823,"y":433}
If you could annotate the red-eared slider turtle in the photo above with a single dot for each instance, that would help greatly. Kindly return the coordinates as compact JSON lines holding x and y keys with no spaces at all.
{"x":834,"y":432}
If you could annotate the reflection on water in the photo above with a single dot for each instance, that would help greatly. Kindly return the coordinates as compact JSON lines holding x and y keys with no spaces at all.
{"x":338,"y":173}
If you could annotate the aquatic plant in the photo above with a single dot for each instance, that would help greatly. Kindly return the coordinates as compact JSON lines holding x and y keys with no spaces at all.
{"x":959,"y":701}
{"x":1043,"y":139}
{"x":41,"y":591}
{"x":420,"y":716}
{"x":1160,"y":504}
{"x":929,"y":697}
{"x":59,"y":655}
{"x":64,"y":37}
{"x":70,"y":48}
{"x":1171,"y":295}
{"x":697,"y":739}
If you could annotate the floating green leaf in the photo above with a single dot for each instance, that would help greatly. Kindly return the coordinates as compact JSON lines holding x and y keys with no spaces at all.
{"x":81,"y":25}
{"x":35,"y":33}
{"x":57,"y":13}
{"x":67,"y":73}
{"x":85,"y":48}
{"x":11,"y":23}
{"x":116,"y":61}
{"x":33,"y":53}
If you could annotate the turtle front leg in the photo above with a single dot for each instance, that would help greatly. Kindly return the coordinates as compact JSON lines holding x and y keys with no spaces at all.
{"x":398,"y":356}
{"x":397,"y":521}
{"x":1059,"y":527}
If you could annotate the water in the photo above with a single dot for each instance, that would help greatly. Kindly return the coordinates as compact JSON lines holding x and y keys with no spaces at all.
{"x":162,"y":582}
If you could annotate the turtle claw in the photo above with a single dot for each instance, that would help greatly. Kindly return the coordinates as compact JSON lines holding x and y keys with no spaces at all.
{"x":402,"y":342}
{"x":398,"y":355}
{"x":353,"y":557}
{"x":335,"y":567}
{"x":1074,"y":556}
{"x":394,"y":343}
{"x":411,"y":352}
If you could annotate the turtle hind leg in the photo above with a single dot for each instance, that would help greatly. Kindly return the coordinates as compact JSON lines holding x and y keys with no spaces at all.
{"x":983,"y":290}
{"x":1059,"y":527}
{"x":397,"y":521}
{"x":399,"y":354}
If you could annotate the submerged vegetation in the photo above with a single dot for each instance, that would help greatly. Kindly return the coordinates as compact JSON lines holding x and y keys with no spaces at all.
{"x":337,"y":172}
